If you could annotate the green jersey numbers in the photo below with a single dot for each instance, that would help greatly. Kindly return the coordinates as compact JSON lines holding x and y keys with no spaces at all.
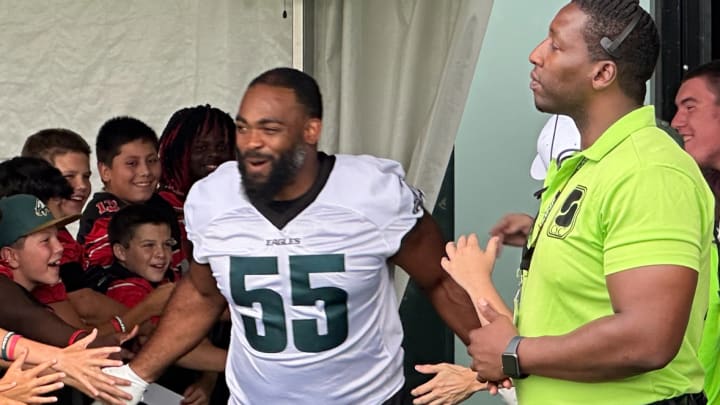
{"x":274,"y":338}
{"x":306,"y":332}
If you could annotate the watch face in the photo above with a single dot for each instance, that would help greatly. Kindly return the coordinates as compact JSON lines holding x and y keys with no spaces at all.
{"x":510,"y":365}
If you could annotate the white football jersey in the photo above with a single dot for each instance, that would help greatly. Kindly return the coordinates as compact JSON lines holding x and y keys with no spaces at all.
{"x":314,"y":313}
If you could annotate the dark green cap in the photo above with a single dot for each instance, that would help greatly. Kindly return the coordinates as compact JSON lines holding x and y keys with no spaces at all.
{"x":24,"y":214}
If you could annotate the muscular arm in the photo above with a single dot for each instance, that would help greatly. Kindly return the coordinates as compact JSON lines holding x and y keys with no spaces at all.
{"x":192,"y":310}
{"x":23,"y":315}
{"x":419,"y":255}
{"x":651,"y":308}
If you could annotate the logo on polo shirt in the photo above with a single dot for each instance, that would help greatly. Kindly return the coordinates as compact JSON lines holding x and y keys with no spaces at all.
{"x":564,"y":220}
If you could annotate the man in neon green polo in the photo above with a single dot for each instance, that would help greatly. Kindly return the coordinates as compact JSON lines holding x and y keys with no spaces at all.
{"x":698,"y":121}
{"x":616,"y":272}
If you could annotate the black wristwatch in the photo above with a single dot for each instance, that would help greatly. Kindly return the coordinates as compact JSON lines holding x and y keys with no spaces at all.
{"x":510,"y":360}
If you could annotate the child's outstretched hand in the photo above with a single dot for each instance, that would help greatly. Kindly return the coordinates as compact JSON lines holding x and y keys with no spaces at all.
{"x":469,"y":265}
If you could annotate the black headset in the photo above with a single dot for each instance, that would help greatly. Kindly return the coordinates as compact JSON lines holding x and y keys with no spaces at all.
{"x":611,"y":45}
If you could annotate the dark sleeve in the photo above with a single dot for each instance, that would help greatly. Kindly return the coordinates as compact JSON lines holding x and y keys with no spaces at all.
{"x":23,"y":314}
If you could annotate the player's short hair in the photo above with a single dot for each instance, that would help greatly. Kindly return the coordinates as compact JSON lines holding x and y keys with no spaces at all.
{"x":119,"y":131}
{"x":51,"y":142}
{"x":302,"y":84}
{"x":636,"y":55}
{"x":176,"y":142}
{"x":125,"y":222}
{"x":35,"y":176}
{"x":710,"y":72}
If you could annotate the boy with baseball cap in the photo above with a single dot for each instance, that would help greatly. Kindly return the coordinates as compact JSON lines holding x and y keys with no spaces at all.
{"x":28,"y":240}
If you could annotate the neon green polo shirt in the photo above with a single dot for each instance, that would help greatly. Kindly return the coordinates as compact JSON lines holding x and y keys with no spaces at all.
{"x":637,"y":200}
{"x":709,"y":352}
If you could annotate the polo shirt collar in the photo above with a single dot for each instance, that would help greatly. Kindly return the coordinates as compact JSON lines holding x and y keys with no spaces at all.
{"x":624,"y":127}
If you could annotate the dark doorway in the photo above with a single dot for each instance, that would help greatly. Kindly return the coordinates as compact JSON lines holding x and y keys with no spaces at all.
{"x":688,"y":39}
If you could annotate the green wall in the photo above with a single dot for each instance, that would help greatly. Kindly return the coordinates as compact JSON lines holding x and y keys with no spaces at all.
{"x":496,"y":140}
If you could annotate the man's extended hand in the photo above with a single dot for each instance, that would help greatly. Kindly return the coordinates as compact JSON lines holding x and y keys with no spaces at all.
{"x":513,"y":229}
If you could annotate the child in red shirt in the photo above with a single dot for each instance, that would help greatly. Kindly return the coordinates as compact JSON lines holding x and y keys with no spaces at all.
{"x":129,"y":168}
{"x":142,"y":245}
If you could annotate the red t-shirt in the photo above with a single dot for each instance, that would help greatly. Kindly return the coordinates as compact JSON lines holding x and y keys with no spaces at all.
{"x":94,"y":227}
{"x":130,"y":289}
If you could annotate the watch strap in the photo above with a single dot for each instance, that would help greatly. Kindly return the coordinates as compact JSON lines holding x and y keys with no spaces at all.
{"x":513,"y":345}
{"x":511,"y":351}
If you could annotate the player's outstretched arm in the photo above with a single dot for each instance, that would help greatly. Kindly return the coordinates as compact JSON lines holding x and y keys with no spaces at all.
{"x":419,"y":255}
{"x":191,"y":311}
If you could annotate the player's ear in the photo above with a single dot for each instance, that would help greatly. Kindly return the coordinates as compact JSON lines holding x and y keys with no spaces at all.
{"x":311,"y":132}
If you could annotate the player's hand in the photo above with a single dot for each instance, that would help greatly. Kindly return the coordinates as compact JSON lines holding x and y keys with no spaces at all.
{"x":451,"y":385}
{"x":135,"y":390}
{"x":513,"y":229}
{"x":28,"y":386}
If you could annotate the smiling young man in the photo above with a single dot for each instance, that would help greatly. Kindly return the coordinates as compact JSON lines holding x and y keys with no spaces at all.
{"x":698,"y":122}
{"x":298,"y":243}
{"x":615,"y":277}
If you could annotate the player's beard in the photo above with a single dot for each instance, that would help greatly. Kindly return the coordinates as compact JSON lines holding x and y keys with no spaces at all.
{"x":282,"y":171}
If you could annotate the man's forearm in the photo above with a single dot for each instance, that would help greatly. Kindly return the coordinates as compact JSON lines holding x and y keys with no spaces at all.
{"x":608,"y":348}
{"x":187,"y":319}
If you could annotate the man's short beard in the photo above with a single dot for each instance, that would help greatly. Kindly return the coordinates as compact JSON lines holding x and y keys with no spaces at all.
{"x":282,"y":171}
